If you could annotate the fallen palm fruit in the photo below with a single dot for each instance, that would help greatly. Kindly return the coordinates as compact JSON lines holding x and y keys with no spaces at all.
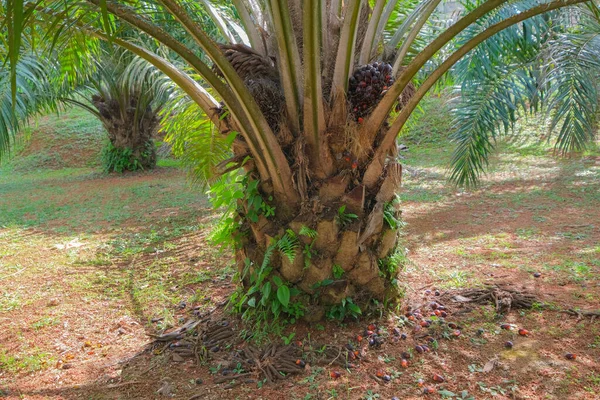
{"x":429,"y":390}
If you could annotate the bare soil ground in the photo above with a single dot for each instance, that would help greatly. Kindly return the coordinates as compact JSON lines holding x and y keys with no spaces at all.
{"x":91,"y":265}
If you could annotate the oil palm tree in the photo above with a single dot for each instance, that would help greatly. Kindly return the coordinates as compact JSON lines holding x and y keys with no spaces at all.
{"x":127,"y":95}
{"x":313,"y":95}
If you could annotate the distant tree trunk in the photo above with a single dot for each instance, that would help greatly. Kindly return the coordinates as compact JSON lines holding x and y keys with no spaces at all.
{"x":130,"y":129}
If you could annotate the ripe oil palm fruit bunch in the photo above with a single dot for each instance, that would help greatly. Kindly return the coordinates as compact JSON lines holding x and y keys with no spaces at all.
{"x":366,"y":87}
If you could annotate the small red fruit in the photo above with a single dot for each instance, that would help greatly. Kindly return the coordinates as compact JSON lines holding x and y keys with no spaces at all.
{"x":360,"y":120}
{"x":437,"y":313}
{"x":420,"y":382}
{"x":523,"y":332}
{"x":456,"y":333}
{"x":429,"y":390}
{"x":300,"y":363}
{"x":359,"y":338}
{"x":570,"y":356}
{"x":380,"y":373}
{"x":372,"y":327}
{"x":425,"y":324}
{"x":411,"y":317}
{"x":452,"y":325}
{"x":438,"y":378}
{"x":335,"y":374}
{"x":404,"y":363}
{"x":506,"y":327}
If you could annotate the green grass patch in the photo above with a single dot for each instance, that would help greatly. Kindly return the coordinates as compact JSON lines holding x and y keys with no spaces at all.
{"x":32,"y":361}
{"x":80,"y":199}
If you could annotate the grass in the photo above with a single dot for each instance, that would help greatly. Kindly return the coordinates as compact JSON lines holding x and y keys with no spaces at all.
{"x":32,"y":361}
{"x":45,"y":322}
{"x":59,"y":141}
{"x":61,"y":198}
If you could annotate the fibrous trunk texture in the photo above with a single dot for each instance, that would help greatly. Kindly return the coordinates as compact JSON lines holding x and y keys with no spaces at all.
{"x":341,"y":244}
{"x":130,"y":128}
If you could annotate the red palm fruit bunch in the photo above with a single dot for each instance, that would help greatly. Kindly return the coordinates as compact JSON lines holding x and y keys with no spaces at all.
{"x":367,"y":85}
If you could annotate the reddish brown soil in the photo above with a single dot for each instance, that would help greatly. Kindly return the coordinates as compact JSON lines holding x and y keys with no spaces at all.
{"x":482,"y":237}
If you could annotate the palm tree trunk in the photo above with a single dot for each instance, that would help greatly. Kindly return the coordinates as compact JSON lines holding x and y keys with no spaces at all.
{"x":341,"y":244}
{"x":130,"y":130}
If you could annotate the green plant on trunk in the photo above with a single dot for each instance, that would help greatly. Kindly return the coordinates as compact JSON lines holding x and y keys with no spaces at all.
{"x":311,"y":96}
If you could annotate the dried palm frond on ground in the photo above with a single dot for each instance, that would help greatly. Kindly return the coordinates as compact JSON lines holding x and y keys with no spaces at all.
{"x":503,"y":297}
{"x":238,"y":362}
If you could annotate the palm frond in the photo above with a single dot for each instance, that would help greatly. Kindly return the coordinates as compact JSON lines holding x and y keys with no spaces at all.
{"x":484,"y":110}
{"x":429,"y":8}
{"x":34,"y":95}
{"x":500,"y":84}
{"x":290,"y":66}
{"x":195,"y":139}
{"x":369,"y":45}
{"x":573,"y":67}
{"x":344,"y":60}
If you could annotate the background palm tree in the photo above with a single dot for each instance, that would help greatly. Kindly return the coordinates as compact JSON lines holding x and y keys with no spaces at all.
{"x":311,"y":96}
{"x":127,"y":95}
